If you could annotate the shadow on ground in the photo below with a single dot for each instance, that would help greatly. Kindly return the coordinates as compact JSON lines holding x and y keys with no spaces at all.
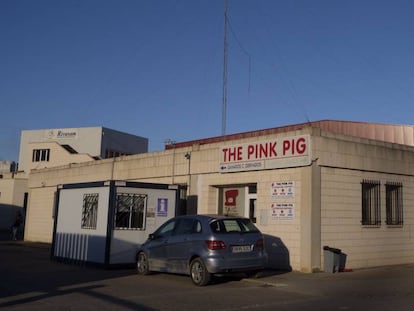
{"x":26,"y":267}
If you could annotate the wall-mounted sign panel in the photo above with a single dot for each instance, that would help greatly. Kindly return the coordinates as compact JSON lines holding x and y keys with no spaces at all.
{"x":283,"y":189}
{"x":283,"y":211}
{"x":277,"y":153}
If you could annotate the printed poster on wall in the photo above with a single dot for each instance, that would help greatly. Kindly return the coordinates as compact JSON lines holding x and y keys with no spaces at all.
{"x":283,"y":211}
{"x":283,"y":189}
{"x":162,"y":207}
{"x":233,"y":201}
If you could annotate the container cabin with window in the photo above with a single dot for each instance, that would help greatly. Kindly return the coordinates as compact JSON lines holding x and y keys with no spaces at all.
{"x":346,"y":185}
{"x":103,"y":223}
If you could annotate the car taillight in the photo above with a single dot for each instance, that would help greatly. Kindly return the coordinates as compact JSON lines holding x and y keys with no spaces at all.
{"x":215,"y":245}
{"x":259,"y":244}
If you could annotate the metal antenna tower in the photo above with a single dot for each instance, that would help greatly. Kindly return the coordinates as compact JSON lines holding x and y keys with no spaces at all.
{"x":224,"y":102}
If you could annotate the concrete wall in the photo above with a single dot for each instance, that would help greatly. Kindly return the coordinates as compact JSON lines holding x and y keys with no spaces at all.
{"x":12,"y":191}
{"x":39,"y":215}
{"x":7,"y":186}
{"x":92,"y":141}
{"x":7,"y":166}
{"x":344,"y":165}
{"x":58,"y":156}
{"x":341,"y":220}
{"x":84,"y":140}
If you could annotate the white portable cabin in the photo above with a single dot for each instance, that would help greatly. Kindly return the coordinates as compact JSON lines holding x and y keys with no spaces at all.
{"x":103,"y":223}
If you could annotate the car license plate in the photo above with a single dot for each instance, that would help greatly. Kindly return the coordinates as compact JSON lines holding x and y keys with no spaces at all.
{"x":241,"y":249}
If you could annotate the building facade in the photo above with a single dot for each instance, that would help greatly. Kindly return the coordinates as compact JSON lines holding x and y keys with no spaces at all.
{"x":13,"y":197}
{"x":55,"y":147}
{"x":40,"y":149}
{"x":7,"y":167}
{"x":347,"y":185}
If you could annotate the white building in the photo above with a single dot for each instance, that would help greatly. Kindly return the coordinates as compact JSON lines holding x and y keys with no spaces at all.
{"x":348,"y":185}
{"x":54,"y":147}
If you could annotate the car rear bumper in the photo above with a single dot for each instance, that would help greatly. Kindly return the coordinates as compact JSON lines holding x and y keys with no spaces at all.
{"x":221,"y":265}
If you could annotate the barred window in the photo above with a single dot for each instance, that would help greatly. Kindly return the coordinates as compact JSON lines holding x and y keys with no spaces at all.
{"x":40,"y":155}
{"x":371,"y":205}
{"x":130,"y":211}
{"x":90,"y":210}
{"x":394,"y":203}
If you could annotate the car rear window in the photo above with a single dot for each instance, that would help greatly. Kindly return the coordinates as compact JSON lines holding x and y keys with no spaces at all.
{"x":233,"y":225}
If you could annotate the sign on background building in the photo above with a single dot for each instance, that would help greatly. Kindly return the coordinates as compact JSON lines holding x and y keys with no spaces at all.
{"x":71,"y":133}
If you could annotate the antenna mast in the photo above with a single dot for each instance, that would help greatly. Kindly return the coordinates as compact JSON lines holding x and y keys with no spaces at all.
{"x":224,"y":107}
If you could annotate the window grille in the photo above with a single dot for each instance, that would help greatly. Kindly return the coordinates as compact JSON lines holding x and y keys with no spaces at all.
{"x":253,"y":188}
{"x":41,"y":155}
{"x":90,"y":210}
{"x":130,"y":211}
{"x":394,"y":203}
{"x":371,"y":205}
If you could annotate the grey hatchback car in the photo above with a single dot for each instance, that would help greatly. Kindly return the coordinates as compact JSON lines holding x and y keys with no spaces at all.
{"x":201,"y":246}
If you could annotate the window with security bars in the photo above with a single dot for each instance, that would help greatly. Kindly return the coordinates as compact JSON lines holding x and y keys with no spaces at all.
{"x":90,"y":210}
{"x":371,"y":205}
{"x":41,"y":155}
{"x":130,"y":211}
{"x":394,"y":203}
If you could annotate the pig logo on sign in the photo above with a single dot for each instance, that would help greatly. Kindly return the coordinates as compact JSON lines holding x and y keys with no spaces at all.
{"x":231,"y":196}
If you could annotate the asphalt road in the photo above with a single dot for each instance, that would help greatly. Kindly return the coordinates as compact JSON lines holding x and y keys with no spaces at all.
{"x":30,"y":281}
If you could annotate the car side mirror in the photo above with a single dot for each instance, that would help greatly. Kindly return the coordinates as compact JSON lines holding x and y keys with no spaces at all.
{"x":151,"y":236}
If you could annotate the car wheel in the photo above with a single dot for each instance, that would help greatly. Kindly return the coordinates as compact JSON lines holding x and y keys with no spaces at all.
{"x":142,"y":264}
{"x":199,"y":274}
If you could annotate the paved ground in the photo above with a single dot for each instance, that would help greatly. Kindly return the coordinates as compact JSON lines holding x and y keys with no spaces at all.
{"x":30,"y":281}
{"x":5,"y":235}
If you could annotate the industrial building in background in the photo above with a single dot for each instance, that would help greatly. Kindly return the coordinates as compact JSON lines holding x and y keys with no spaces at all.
{"x":54,"y":147}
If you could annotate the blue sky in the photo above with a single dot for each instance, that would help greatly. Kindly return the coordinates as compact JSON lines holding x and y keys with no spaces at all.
{"x":154,"y":67}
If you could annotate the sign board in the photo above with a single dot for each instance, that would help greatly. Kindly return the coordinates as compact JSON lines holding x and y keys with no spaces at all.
{"x":283,"y":211}
{"x":277,"y":153}
{"x":162,"y":207}
{"x":234,"y":201}
{"x":283,"y":189}
{"x":71,"y":133}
